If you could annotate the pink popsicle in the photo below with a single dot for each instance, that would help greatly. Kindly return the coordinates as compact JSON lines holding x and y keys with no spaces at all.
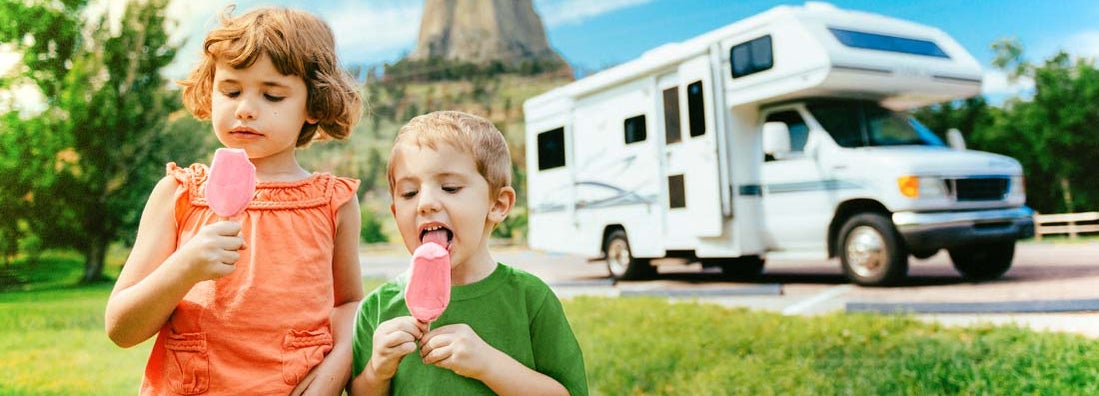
{"x":428,"y":290}
{"x":232,"y":182}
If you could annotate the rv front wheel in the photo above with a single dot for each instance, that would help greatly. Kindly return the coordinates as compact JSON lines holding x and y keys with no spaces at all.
{"x":983,"y":261}
{"x":621,"y":263}
{"x":872,"y":251}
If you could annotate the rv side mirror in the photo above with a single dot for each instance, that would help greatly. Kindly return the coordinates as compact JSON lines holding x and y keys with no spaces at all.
{"x":954,"y":139}
{"x":776,"y":139}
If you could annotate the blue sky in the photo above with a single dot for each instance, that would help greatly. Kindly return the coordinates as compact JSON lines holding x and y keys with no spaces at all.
{"x":593,"y":34}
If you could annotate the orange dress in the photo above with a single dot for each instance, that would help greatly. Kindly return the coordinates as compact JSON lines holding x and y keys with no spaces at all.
{"x":260,"y":329}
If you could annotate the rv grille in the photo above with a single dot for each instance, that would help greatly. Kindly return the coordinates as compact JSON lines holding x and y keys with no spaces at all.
{"x":980,"y":188}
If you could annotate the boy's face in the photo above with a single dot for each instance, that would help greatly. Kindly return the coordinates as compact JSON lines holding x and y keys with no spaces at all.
{"x":258,"y":109}
{"x":442,"y":188}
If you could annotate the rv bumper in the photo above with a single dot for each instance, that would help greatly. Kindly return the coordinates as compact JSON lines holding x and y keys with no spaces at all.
{"x":930,"y":231}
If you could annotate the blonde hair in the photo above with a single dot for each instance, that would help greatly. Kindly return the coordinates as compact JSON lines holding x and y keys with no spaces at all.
{"x":299,"y":44}
{"x":472,"y":134}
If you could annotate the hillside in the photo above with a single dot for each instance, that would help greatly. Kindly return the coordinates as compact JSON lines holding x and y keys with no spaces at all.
{"x":389,"y":104}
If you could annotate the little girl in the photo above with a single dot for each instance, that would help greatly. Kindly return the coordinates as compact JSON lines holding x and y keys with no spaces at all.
{"x":263,"y":303}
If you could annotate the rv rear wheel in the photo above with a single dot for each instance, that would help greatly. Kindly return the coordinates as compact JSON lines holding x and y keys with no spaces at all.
{"x":983,"y":261}
{"x":872,"y":251}
{"x":620,"y":261}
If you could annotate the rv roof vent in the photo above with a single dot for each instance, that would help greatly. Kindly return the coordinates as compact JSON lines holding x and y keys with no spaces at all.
{"x":819,"y":5}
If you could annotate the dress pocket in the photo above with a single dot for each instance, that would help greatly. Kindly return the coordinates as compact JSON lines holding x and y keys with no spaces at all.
{"x":302,"y":350}
{"x":188,"y":366}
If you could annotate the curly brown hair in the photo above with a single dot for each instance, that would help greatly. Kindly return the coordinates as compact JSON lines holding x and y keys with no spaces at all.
{"x":299,"y":44}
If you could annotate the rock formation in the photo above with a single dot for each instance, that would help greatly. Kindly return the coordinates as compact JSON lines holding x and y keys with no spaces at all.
{"x":483,"y":31}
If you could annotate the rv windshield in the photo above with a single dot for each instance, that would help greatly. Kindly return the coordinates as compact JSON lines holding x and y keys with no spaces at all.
{"x":860,"y":124}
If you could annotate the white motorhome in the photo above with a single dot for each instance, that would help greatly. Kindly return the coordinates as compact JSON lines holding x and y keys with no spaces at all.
{"x":777,"y":135}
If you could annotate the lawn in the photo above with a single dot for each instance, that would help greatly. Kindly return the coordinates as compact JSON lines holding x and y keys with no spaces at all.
{"x":52,"y":343}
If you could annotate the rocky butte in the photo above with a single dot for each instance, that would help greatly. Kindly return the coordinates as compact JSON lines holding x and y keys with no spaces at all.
{"x":483,"y":31}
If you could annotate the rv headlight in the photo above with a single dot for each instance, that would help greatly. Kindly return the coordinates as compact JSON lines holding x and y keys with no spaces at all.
{"x":921,"y":187}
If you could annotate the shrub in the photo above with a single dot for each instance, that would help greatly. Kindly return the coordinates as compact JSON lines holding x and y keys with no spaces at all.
{"x":371,"y":230}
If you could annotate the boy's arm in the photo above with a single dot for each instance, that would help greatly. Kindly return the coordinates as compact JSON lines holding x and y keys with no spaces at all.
{"x":156,"y":277}
{"x":506,"y":376}
{"x":459,"y":349}
{"x":390,"y":342}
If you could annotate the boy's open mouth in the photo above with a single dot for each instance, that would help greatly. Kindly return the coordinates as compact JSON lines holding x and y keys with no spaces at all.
{"x":438,"y":234}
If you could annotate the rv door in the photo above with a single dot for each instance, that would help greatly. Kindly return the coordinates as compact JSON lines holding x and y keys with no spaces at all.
{"x":690,"y":150}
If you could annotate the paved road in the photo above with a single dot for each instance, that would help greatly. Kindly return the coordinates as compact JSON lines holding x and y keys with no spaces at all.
{"x":1051,"y":286}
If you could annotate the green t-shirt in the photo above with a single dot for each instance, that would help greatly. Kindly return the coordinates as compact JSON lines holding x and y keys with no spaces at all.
{"x":511,"y":310}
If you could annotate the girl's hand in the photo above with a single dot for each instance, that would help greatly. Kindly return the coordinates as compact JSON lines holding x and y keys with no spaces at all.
{"x":394,"y":339}
{"x":213,"y":252}
{"x":321,"y":380}
{"x":459,"y":349}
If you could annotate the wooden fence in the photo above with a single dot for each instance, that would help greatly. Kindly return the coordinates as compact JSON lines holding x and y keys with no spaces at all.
{"x":1072,"y":224}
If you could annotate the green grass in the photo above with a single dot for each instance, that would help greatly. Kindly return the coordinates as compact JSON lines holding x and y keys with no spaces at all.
{"x":52,"y":340}
{"x":52,"y":343}
{"x":651,"y":346}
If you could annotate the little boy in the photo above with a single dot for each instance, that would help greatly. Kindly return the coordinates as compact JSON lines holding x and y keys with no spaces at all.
{"x":504,"y":330}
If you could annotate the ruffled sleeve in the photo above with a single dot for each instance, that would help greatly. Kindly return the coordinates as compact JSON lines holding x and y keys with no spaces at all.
{"x":189,"y":178}
{"x":343,"y":189}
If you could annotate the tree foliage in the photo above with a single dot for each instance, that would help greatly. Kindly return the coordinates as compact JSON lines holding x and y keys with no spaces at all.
{"x":1051,"y":133}
{"x":83,"y":168}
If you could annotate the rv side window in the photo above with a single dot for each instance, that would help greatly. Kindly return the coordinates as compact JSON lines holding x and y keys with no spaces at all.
{"x":799,"y":132}
{"x":671,"y":116}
{"x":551,"y":149}
{"x":696,"y":111}
{"x":751,"y":57}
{"x":635,"y":129}
{"x":677,"y":195}
{"x":881,"y":42}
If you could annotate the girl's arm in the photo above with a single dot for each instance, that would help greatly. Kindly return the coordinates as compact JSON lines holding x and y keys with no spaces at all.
{"x":332,"y":375}
{"x":156,"y":276}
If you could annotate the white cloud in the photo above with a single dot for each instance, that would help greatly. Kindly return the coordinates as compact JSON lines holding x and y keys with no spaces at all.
{"x":26,"y":98}
{"x":113,"y":8}
{"x":189,"y":20}
{"x":370,"y":33}
{"x":8,"y":58}
{"x":366,"y":32}
{"x":563,"y":12}
{"x":997,"y":84}
{"x":23,"y":96}
{"x":1083,"y":44}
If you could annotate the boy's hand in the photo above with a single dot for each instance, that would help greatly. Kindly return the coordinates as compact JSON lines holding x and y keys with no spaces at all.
{"x":459,"y":349}
{"x":394,"y":339}
{"x":213,"y":252}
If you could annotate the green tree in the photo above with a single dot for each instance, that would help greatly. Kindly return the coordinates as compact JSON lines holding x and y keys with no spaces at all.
{"x":103,"y":141}
{"x":1053,"y":132}
{"x":968,"y":116}
{"x":47,"y":35}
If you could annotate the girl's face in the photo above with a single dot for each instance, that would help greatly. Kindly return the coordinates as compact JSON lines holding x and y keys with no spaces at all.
{"x":258,"y":109}
{"x":442,"y":188}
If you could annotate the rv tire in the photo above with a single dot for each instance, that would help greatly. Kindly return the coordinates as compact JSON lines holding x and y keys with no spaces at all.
{"x":983,"y":261}
{"x":621,"y":264}
{"x":872,"y":251}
